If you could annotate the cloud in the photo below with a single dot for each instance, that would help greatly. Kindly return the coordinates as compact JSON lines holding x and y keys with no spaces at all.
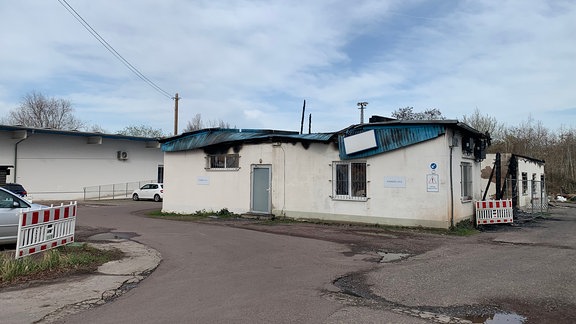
{"x":252,"y":63}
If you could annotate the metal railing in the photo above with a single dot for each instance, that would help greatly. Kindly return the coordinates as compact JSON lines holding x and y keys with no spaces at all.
{"x":530,"y":195}
{"x":113,"y":191}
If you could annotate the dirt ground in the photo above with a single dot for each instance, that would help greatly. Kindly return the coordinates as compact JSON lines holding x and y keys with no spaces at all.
{"x":370,"y":241}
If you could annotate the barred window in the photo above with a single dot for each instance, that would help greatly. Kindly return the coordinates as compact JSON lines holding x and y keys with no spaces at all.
{"x":349,"y":180}
{"x":466,"y":174}
{"x":223,"y":161}
{"x":524,"y":183}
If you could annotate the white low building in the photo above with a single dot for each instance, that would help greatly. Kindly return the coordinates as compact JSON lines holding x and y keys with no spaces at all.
{"x":409,"y":173}
{"x":522,"y":179}
{"x":58,"y":165}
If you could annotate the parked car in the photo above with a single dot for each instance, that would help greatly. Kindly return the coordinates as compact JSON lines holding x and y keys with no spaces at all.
{"x":10,"y":207}
{"x":16,"y":188}
{"x":149,"y":191}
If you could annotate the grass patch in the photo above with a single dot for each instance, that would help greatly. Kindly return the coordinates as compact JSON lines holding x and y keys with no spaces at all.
{"x":54,"y":263}
{"x":464,"y":228}
{"x":223,"y":213}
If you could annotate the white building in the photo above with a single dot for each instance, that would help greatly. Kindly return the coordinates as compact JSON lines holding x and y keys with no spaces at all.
{"x":522,"y":179}
{"x":57,"y":164}
{"x":416,"y":173}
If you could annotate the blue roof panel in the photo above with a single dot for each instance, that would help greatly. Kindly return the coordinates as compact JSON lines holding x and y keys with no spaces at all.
{"x":208,"y":137}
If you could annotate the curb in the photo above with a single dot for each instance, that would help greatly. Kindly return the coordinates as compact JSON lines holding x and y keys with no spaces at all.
{"x":50,"y":302}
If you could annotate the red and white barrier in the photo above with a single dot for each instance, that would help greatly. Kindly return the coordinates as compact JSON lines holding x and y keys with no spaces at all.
{"x":494,"y":212}
{"x":44,"y":229}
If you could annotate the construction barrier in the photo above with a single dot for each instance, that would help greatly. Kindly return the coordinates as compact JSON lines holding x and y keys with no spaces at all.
{"x":494,"y":212}
{"x":43,"y":229}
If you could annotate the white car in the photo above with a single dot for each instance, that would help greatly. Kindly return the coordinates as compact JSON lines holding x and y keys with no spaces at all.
{"x":10,"y":207}
{"x":153,"y":191}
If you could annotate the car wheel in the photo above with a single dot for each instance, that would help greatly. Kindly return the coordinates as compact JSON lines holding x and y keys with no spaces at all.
{"x":135,"y":197}
{"x":157,"y":197}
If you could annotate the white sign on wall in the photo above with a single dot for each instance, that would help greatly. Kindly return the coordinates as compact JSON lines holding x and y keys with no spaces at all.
{"x":202,"y":180}
{"x":394,"y":182}
{"x":432,"y":183}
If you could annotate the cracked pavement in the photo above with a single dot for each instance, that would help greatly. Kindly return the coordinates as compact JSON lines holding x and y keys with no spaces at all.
{"x":223,"y":271}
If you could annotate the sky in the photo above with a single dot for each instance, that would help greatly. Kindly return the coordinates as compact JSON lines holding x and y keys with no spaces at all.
{"x":252,"y":63}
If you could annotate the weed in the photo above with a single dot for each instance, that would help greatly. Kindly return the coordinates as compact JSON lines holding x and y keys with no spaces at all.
{"x":65,"y":259}
{"x":464,"y":228}
{"x":198,"y":215}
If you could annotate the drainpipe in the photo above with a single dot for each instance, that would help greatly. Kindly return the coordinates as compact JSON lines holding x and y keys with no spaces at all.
{"x":451,"y":186}
{"x":16,"y":158}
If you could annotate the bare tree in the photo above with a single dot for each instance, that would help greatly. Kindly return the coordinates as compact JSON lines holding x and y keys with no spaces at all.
{"x":95,"y":128}
{"x":407,"y":113}
{"x":37,"y":110}
{"x":196,"y":124}
{"x":142,"y":131}
{"x":485,"y":124}
{"x":220,"y":123}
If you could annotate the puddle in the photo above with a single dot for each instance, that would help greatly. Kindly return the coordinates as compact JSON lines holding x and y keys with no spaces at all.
{"x":389,"y":257}
{"x":498,"y":318}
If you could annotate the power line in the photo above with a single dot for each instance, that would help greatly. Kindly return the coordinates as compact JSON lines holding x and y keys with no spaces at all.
{"x":111,"y":49}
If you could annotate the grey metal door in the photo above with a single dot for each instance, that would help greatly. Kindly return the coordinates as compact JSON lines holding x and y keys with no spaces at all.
{"x":260,"y":191}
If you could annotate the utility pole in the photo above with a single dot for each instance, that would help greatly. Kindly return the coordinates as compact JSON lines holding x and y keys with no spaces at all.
{"x":176,"y":98}
{"x":362,"y":106}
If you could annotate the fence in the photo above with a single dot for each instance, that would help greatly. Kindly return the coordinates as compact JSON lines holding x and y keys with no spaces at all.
{"x":44,"y":229}
{"x":530,"y":195}
{"x":494,"y":212}
{"x":113,"y":191}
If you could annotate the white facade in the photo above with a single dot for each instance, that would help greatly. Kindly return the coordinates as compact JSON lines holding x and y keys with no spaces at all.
{"x":57,"y":165}
{"x":411,"y":186}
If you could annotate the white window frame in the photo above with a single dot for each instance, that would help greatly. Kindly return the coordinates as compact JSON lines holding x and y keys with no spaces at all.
{"x":231,"y":162}
{"x":466,"y":181}
{"x":350,"y":182}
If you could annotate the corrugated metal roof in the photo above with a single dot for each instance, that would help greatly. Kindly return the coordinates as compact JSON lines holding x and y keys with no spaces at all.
{"x":218,"y":136}
{"x":52,"y":131}
{"x":391,"y":137}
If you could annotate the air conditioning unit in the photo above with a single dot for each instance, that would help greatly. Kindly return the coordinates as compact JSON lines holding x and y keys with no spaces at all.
{"x":122,"y":155}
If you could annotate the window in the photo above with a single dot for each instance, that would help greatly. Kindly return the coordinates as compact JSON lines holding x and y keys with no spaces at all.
{"x":466,"y":173}
{"x":7,"y":200}
{"x":349,"y":180}
{"x":223,"y":161}
{"x":524,"y":183}
{"x":533,"y":184}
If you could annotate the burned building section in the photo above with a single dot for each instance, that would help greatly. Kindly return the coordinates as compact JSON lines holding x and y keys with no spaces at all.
{"x":519,"y":178}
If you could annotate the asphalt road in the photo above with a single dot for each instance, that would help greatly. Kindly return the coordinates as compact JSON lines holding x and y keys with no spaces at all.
{"x":216,"y":274}
{"x":224,"y":274}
